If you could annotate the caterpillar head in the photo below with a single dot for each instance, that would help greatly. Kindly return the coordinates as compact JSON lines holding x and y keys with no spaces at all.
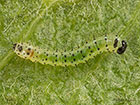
{"x":122,"y":49}
{"x":23,"y":50}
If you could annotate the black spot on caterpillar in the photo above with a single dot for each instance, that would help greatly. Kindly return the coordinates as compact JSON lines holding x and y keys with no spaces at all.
{"x":72,"y":57}
{"x":115,"y":43}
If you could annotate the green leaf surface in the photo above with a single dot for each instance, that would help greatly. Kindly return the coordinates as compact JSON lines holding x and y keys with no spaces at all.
{"x":107,"y":79}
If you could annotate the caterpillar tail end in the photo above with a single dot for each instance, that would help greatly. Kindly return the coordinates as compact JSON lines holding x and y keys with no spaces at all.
{"x":14,"y":46}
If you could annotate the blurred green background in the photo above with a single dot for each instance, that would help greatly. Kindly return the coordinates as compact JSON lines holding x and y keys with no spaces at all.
{"x":107,"y":79}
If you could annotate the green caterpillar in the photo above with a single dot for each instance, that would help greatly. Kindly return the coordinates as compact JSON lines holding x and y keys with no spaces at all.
{"x":73,"y":57}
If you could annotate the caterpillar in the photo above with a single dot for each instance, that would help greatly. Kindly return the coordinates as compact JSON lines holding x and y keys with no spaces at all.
{"x":73,"y":57}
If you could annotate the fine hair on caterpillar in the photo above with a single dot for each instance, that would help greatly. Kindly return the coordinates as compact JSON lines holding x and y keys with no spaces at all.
{"x":73,"y":57}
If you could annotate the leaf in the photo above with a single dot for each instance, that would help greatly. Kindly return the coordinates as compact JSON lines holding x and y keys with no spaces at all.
{"x":63,"y":24}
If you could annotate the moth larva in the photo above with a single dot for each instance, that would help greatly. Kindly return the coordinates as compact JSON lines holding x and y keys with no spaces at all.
{"x":74,"y":57}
